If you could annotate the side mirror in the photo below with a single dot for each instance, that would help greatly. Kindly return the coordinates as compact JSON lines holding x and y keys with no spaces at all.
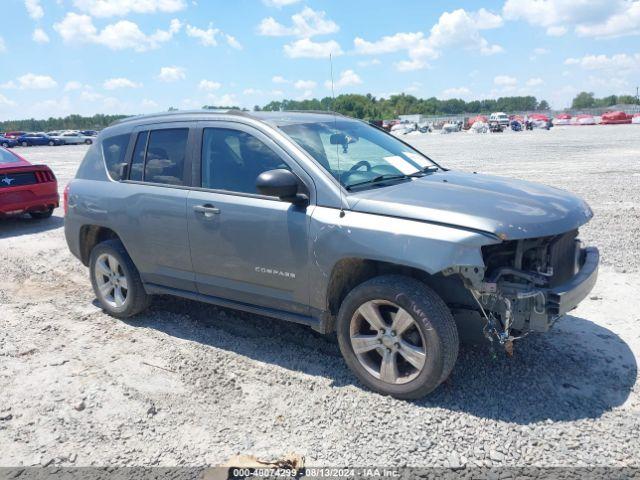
{"x":280,"y":183}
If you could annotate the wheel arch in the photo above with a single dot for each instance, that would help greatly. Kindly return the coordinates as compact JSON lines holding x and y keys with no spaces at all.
{"x":92,"y":235}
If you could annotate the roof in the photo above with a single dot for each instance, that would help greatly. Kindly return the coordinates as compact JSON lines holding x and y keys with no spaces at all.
{"x":274,"y":118}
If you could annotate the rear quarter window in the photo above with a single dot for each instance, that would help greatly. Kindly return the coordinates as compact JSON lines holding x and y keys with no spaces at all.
{"x":7,"y":157}
{"x":114,"y":151}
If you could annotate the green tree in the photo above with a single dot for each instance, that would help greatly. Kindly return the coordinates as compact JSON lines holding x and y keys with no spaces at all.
{"x":583,"y":100}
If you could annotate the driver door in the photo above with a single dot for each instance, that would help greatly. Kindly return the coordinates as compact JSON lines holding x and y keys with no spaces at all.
{"x":247,"y":247}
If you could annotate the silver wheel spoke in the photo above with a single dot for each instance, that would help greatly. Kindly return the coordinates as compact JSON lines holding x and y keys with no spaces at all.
{"x":113,"y":264}
{"x":123,"y":282}
{"x":106,"y":289}
{"x":103,"y":268}
{"x":412,"y":354}
{"x":364,"y":343}
{"x":389,"y":367}
{"x":371,"y":314}
{"x":402,"y":321}
{"x":119,"y":297}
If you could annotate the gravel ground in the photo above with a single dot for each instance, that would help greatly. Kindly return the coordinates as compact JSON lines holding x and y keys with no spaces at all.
{"x":190,"y":384}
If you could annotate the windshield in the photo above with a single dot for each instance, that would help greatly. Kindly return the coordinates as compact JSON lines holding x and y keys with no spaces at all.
{"x":357,"y":153}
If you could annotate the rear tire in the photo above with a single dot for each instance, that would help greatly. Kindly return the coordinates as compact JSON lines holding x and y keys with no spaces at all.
{"x":414,"y":346}
{"x":5,"y":145}
{"x":25,"y":144}
{"x":42,"y":214}
{"x":88,"y":141}
{"x":116,"y":281}
{"x":51,"y":143}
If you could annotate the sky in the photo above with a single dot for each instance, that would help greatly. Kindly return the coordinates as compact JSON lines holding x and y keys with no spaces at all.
{"x":60,"y":57}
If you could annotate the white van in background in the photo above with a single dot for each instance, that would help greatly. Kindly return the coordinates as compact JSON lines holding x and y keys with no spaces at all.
{"x":500,"y":117}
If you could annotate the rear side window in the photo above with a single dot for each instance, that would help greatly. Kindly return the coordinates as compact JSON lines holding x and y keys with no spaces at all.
{"x":114,"y":150}
{"x":164,"y":156}
{"x":7,"y":157}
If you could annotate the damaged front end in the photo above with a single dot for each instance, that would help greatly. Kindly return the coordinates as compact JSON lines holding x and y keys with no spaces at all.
{"x":526,"y":285}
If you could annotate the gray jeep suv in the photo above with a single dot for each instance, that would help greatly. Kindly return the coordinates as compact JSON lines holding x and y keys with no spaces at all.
{"x":330,"y":222}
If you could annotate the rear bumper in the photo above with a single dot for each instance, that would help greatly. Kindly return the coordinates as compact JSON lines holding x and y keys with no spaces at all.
{"x":564,"y":298}
{"x":29,"y":198}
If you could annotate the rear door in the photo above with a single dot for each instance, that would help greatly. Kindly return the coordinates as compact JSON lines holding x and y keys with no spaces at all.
{"x":247,"y":247}
{"x":157,"y":181}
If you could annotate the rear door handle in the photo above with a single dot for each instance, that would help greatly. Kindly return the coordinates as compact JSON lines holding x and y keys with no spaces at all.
{"x":207,"y":209}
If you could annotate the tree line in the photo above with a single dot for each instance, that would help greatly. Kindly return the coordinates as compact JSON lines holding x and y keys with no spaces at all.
{"x":367,"y":107}
{"x":587,"y":100}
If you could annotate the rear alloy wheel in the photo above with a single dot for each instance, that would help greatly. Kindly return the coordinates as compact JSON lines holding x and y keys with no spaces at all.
{"x":398,"y":336}
{"x":116,"y":281}
{"x":41,"y":214}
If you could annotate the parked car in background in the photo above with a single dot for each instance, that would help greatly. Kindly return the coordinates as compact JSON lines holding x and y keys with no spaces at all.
{"x":26,"y":188}
{"x":500,"y":117}
{"x":7,"y":142}
{"x":71,"y":137}
{"x":40,"y":138}
{"x":359,"y":234}
{"x":15,"y":134}
{"x":89,"y":133}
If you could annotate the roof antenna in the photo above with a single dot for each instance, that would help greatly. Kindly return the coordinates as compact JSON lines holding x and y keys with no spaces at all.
{"x":335,"y":125}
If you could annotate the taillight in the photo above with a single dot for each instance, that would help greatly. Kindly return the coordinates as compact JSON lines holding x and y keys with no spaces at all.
{"x":65,"y":198}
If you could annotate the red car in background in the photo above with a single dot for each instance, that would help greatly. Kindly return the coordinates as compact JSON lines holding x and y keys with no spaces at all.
{"x":26,"y":188}
{"x":15,"y":134}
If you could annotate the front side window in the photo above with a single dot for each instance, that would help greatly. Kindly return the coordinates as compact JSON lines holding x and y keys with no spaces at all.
{"x":114,"y":150}
{"x":356,"y":153}
{"x":232,"y":160}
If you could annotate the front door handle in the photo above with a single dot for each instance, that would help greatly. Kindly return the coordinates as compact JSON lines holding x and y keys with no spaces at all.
{"x":207,"y":209}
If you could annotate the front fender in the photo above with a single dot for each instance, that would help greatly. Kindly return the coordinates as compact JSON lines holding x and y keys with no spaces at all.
{"x":426,"y":246}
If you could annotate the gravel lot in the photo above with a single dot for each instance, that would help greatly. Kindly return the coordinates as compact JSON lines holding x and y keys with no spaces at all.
{"x":190,"y":384}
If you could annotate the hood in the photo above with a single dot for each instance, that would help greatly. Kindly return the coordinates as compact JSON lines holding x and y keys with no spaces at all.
{"x":511,"y":209}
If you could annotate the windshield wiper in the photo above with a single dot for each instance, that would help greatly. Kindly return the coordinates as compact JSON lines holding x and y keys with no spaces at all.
{"x":425,"y":170}
{"x":379,"y":178}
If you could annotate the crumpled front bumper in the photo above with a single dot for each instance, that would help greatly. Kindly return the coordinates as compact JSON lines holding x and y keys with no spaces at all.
{"x":564,"y":298}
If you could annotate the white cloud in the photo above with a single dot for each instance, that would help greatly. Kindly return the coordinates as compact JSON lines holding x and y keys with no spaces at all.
{"x":112,"y":8}
{"x":540,"y":51}
{"x":456,"y":29}
{"x":462,"y":29}
{"x":534,"y":82}
{"x":10,"y":85}
{"x":149,"y":104}
{"x":305,"y":84}
{"x":460,"y":92}
{"x":73,"y":85}
{"x":505,"y":81}
{"x":251,"y":91}
{"x":40,"y":36}
{"x":120,"y":82}
{"x":279,"y":3}
{"x":171,"y":74}
{"x":209,"y":85}
{"x":410,"y":65}
{"x":207,"y":37}
{"x":279,"y":79}
{"x":226,"y":100}
{"x":306,"y":48}
{"x":305,"y":24}
{"x":34,"y":9}
{"x":4,"y":101}
{"x":591,"y":18}
{"x":31,"y":81}
{"x":621,"y":62}
{"x":369,"y":63}
{"x":387,"y":44}
{"x":233,"y":42}
{"x":348,"y":78}
{"x":75,"y":28}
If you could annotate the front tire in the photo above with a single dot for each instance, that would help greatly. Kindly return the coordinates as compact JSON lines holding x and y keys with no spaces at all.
{"x":25,"y":144}
{"x":51,"y":143}
{"x":88,"y":141}
{"x":5,"y":145}
{"x":116,"y":281}
{"x":398,"y":336}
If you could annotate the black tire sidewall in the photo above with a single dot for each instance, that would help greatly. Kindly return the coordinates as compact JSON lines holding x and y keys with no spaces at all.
{"x":404,"y":292}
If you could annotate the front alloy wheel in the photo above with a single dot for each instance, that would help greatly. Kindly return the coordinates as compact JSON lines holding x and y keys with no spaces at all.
{"x":387,"y":342}
{"x":397,"y":335}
